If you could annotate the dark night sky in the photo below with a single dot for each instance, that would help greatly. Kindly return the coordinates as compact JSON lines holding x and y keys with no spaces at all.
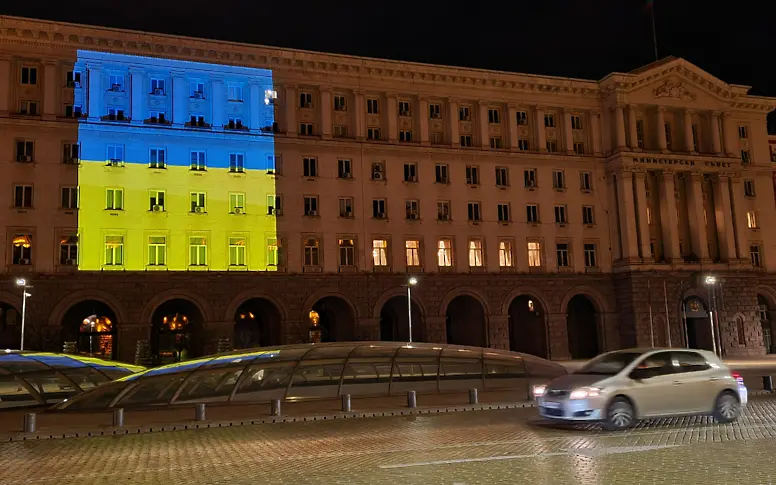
{"x":578,"y":38}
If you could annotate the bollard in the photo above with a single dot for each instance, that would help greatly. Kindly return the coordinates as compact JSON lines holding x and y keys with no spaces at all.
{"x":768,"y":383}
{"x":412,"y":400}
{"x":199,"y":412}
{"x":346,"y":403}
{"x":275,"y":407}
{"x":30,"y":421}
{"x":474,"y":397}
{"x":118,"y":418}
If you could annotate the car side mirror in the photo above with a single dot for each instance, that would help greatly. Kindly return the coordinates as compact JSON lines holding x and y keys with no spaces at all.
{"x":640,"y":374}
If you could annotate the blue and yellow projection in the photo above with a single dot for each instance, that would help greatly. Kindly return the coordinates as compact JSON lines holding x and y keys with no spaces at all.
{"x":177,"y":165}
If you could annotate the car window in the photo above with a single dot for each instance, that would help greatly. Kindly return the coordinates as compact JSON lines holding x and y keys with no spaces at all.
{"x":609,"y":364}
{"x":654,"y":365}
{"x":690,"y":362}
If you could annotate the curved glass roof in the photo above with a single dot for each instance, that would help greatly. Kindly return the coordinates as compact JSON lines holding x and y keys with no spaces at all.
{"x":35,"y":378}
{"x":303,"y":371}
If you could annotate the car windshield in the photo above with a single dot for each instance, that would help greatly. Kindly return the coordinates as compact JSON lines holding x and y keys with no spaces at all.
{"x":609,"y":364}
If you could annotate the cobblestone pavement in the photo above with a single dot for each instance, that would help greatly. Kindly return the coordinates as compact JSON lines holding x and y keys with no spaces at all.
{"x":489,"y":447}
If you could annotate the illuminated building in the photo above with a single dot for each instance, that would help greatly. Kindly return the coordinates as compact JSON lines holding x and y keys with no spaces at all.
{"x":559,"y":217}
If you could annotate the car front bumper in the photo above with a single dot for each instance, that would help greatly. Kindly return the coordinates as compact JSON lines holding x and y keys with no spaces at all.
{"x":571,"y":409}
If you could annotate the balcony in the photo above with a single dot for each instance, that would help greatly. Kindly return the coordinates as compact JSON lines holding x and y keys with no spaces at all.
{"x":161,"y":120}
{"x":118,"y":118}
{"x":236,"y":126}
{"x":197,"y":124}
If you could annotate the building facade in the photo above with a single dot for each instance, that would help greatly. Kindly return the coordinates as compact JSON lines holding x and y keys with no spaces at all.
{"x":559,"y":217}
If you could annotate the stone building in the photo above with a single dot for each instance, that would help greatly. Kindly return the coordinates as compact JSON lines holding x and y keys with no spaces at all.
{"x":560,"y":217}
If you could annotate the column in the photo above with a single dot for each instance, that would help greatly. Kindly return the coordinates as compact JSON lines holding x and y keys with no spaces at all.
{"x":218,"y":102}
{"x":641,"y":214}
{"x":291,"y":102}
{"x":368,"y":329}
{"x":50,"y":90}
{"x":633,"y":136}
{"x":660,"y":128}
{"x":568,"y":132}
{"x":392,"y":114}
{"x":627,"y":212}
{"x":360,"y":118}
{"x":695,"y":215}
{"x":6,"y":82}
{"x":723,"y":213}
{"x":739,"y":217}
{"x":595,"y":131}
{"x":423,"y":117}
{"x":716,"y":144}
{"x":689,"y":146}
{"x":257,"y":101}
{"x":482,"y":122}
{"x":668,"y":223}
{"x":453,"y":119}
{"x":180,"y":99}
{"x":436,"y":328}
{"x":541,"y":136}
{"x":498,"y":332}
{"x":326,"y":109}
{"x":619,"y":129}
{"x":512,"y":126}
{"x":96,"y":92}
{"x":729,"y":132}
{"x":139,"y":94}
{"x":613,"y":216}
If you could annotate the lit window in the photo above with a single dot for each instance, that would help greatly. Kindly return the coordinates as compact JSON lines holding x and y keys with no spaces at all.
{"x":534,"y":254}
{"x":22,"y":249}
{"x":475,"y":253}
{"x":413,"y":252}
{"x":114,"y":199}
{"x":157,"y":251}
{"x":68,"y":250}
{"x":445,"y":253}
{"x":505,"y":254}
{"x":380,"y":252}
{"x":237,"y":251}
{"x":114,"y":250}
{"x":272,"y":252}
{"x":751,"y":219}
{"x":198,"y":250}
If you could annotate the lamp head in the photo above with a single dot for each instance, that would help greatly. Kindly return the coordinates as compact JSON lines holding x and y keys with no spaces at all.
{"x":413,"y":281}
{"x":710,"y":280}
{"x":21,"y":282}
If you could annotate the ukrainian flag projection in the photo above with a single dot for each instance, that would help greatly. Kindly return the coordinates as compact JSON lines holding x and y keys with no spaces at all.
{"x":177,"y":165}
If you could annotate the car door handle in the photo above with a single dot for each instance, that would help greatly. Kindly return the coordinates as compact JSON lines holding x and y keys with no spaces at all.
{"x":712,"y":379}
{"x":677,"y":383}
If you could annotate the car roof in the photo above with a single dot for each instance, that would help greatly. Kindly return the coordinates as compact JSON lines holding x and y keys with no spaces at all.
{"x":649,"y":350}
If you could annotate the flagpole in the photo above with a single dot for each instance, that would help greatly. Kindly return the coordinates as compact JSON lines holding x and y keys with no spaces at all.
{"x":654,"y":31}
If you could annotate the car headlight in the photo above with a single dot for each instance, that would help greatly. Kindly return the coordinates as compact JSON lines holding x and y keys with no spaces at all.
{"x":585,"y":392}
{"x":538,"y":391}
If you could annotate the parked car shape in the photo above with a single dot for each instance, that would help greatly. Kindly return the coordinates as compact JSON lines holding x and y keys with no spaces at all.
{"x":620,"y":387}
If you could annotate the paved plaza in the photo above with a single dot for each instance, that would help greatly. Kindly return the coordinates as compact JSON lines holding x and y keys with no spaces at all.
{"x":487,"y":447}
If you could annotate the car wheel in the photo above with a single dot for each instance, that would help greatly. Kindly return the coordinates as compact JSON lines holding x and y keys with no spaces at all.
{"x":727,"y":408}
{"x":619,"y":414}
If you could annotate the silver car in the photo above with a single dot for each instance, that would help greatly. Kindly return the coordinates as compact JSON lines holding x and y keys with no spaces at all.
{"x":618,"y":388}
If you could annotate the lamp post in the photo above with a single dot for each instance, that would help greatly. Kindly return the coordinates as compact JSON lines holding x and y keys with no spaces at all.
{"x":410,"y":283}
{"x":23,"y":283}
{"x":710,"y":282}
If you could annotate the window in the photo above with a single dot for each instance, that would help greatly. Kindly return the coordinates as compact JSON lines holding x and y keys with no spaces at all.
{"x":466,"y":140}
{"x":197,"y":89}
{"x":410,"y":172}
{"x":441,"y":171}
{"x":378,"y":170}
{"x":346,"y":207}
{"x":502,"y":176}
{"x":157,"y":158}
{"x":114,"y":250}
{"x":28,"y":108}
{"x":534,"y":254}
{"x":472,"y":175}
{"x":749,"y":188}
{"x":156,"y":116}
{"x":73,"y":111}
{"x":751,"y":219}
{"x":743,"y":132}
{"x":380,"y":252}
{"x":305,"y":100}
{"x":198,"y":251}
{"x":523,"y":145}
{"x":494,"y":116}
{"x":340,"y":131}
{"x":549,"y":120}
{"x":306,"y":129}
{"x":475,"y":253}
{"x":373,"y":134}
{"x":116,"y":114}
{"x":71,"y":153}
{"x":560,"y":214}
{"x":562,"y":255}
{"x":73,"y":79}
{"x":590,"y":256}
{"x":29,"y":75}
{"x":532,"y":213}
{"x":585,"y":181}
{"x":273,"y":257}
{"x":464,"y":114}
{"x":445,"y":253}
{"x":412,"y":210}
{"x":274,"y":204}
{"x":669,"y":143}
{"x":404,"y":108}
{"x":434,"y":111}
{"x":197,"y":201}
{"x":116,"y":82}
{"x":69,"y":197}
{"x":474,"y":212}
{"x":21,"y":249}
{"x":587,"y":215}
{"x":695,"y":138}
{"x":157,"y":251}
{"x":156,"y":200}
{"x":649,"y":216}
{"x":115,"y":153}
{"x":741,"y":327}
{"x":754,"y":255}
{"x":237,"y":162}
{"x":504,"y":213}
{"x":25,"y":150}
{"x":576,"y":122}
{"x":529,"y":178}
{"x":157,"y":86}
{"x":311,"y":205}
{"x":22,"y":198}
{"x":68,"y":250}
{"x":437,"y":138}
{"x":114,"y":199}
{"x":198,"y":160}
{"x":522,"y":118}
{"x":237,"y":203}
{"x":443,"y":210}
{"x":197,"y":120}
{"x":552,"y":146}
{"x":640,"y":133}
{"x":340,"y":103}
{"x":412,"y":251}
{"x":558,"y":180}
{"x":378,"y":208}
{"x":746,"y":156}
{"x":344,"y":168}
{"x":238,"y":249}
{"x":505,"y":256}
{"x":405,"y":135}
{"x":234,"y":92}
{"x":310,"y":167}
{"x":372,"y":106}
{"x":579,"y":148}
{"x":347,"y":252}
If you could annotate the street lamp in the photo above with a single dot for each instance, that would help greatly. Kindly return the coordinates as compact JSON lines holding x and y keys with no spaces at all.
{"x":710,"y":282}
{"x":23,"y":283}
{"x":410,"y":283}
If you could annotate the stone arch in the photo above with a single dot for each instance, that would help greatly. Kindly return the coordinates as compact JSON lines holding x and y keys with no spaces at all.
{"x":466,"y":325}
{"x":177,"y":323}
{"x":10,"y":327}
{"x":527,"y":318}
{"x":63,"y":305}
{"x":15,"y":303}
{"x":600,"y":303}
{"x":392,"y":293}
{"x":769,"y":294}
{"x":696,"y":332}
{"x":175,"y":294}
{"x":330,"y":316}
{"x":584,"y":325}
{"x":243,"y":297}
{"x":391,"y":311}
{"x":463,"y":291}
{"x":323,"y":293}
{"x":523,"y":291}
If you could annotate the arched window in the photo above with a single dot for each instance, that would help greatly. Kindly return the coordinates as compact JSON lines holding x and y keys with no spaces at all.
{"x":741,"y":327}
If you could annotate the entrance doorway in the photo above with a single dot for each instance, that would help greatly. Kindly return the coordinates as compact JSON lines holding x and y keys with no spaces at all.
{"x":697,"y":324}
